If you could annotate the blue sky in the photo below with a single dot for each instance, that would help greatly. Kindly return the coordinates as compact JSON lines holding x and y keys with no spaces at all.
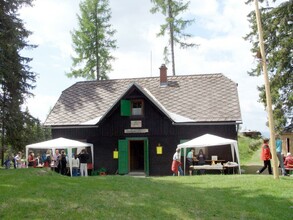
{"x":219,"y":28}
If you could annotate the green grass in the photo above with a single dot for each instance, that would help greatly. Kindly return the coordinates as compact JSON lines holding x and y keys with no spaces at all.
{"x":246,"y":154}
{"x":42,"y":194}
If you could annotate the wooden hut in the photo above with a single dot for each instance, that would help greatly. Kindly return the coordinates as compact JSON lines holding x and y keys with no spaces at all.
{"x":142,"y":120}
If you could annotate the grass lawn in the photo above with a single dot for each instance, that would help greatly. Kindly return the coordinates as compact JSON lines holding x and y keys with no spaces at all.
{"x":42,"y":194}
{"x":247,"y":156}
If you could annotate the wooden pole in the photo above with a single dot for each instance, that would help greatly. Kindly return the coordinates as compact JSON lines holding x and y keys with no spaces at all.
{"x":268,"y":93}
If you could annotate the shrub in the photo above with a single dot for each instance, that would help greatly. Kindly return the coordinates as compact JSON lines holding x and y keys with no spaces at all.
{"x":255,"y":144}
{"x":252,"y":134}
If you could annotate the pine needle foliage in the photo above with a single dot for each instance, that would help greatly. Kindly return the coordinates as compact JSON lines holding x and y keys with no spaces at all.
{"x":174,"y":27}
{"x":93,"y":41}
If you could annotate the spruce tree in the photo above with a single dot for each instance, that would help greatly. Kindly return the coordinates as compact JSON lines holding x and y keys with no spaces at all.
{"x":16,"y":77}
{"x":277,"y":24}
{"x":174,"y":26}
{"x":93,"y":41}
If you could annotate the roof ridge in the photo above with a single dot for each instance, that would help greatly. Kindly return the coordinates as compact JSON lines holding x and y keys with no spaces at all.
{"x":149,"y":77}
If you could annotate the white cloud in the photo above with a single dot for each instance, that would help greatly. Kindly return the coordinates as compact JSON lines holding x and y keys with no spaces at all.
{"x":40,"y":105}
{"x":204,"y":8}
{"x":51,"y":22}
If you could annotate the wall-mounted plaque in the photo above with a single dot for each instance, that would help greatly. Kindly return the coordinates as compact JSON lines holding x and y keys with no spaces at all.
{"x":141,"y":131}
{"x":135,"y":124}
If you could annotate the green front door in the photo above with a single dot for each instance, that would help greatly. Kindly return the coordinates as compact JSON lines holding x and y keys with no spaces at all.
{"x":123,"y":156}
{"x":124,"y":160}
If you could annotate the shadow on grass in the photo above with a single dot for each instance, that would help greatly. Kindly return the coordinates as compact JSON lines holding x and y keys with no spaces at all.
{"x":251,"y":169}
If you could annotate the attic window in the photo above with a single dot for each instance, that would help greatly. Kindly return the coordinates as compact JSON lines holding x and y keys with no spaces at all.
{"x":136,"y":107}
{"x":132,"y":107}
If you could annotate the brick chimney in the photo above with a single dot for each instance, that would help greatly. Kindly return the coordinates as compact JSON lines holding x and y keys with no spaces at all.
{"x":163,"y":75}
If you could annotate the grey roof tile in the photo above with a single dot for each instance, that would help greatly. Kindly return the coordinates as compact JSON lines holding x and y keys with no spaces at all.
{"x":203,"y":98}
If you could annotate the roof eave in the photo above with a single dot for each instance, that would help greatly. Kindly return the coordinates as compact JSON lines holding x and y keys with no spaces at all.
{"x":208,"y":123}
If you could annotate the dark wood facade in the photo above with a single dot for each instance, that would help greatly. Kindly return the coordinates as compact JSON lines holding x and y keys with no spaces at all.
{"x":142,"y":141}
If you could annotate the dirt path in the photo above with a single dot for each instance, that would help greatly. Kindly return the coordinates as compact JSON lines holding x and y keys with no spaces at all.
{"x":254,"y":164}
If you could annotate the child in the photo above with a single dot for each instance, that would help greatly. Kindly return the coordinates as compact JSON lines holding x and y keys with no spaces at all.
{"x":7,"y":163}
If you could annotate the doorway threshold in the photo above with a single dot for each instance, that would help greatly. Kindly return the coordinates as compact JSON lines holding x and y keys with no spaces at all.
{"x":137,"y":174}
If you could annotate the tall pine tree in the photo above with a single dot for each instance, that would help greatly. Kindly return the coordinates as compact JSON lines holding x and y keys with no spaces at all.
{"x":277,"y":23}
{"x":174,"y":26}
{"x":16,"y":77}
{"x":93,"y":41}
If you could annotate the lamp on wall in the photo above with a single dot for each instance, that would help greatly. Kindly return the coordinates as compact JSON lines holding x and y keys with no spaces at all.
{"x":115,"y":154}
{"x":159,"y":149}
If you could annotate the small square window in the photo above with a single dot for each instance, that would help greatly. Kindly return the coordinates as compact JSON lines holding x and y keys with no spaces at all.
{"x":137,"y":107}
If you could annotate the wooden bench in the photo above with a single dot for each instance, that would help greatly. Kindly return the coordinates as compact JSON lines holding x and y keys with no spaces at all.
{"x":219,"y":167}
{"x":208,"y":167}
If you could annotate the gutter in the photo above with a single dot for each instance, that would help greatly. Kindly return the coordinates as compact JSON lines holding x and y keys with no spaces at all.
{"x":73,"y":126}
{"x":207,"y":123}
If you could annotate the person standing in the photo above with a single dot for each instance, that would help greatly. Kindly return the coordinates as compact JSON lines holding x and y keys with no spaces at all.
{"x":279,"y":154}
{"x":48,"y":158}
{"x":17,"y":160}
{"x":63,"y":162}
{"x":266,"y":157}
{"x":31,"y":159}
{"x":75,"y":165}
{"x":176,"y":163}
{"x":201,"y":160}
{"x":83,"y":158}
{"x":56,"y":157}
{"x":7,"y":162}
{"x":190,"y":160}
{"x":38,"y":160}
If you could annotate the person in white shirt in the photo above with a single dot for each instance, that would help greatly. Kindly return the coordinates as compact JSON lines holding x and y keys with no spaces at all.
{"x":17,"y":160}
{"x":176,"y":164}
{"x":75,"y":165}
{"x":55,"y":165}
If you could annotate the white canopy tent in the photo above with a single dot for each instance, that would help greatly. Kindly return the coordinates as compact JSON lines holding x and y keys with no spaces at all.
{"x":209,"y":140}
{"x":61,"y":143}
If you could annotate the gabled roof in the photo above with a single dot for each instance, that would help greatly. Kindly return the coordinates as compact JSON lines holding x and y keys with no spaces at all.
{"x":192,"y":98}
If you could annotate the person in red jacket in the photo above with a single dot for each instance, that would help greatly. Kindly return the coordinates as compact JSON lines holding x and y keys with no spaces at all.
{"x":266,"y":157}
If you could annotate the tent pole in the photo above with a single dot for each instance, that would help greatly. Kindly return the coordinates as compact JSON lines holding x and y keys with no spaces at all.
{"x":92,"y":150}
{"x":26,"y":155}
{"x":184,"y":161}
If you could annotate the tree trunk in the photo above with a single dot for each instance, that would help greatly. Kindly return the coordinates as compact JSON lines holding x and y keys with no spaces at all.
{"x":171,"y":36}
{"x":3,"y":126}
{"x":97,"y":45}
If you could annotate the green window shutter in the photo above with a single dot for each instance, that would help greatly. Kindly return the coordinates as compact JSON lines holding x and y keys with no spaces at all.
{"x":146,"y":158}
{"x":125,"y":106}
{"x":123,"y":156}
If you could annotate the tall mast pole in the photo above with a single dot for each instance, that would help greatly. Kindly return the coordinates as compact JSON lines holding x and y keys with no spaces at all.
{"x":268,"y":93}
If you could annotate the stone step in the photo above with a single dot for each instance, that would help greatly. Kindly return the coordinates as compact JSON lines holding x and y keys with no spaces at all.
{"x":137,"y":174}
